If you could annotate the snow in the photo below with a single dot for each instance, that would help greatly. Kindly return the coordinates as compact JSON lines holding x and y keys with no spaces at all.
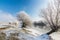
{"x":32,"y":34}
{"x":55,"y":36}
{"x":28,"y":33}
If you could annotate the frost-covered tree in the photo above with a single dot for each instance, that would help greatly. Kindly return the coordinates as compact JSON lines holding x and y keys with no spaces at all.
{"x":52,"y":15}
{"x":25,"y":18}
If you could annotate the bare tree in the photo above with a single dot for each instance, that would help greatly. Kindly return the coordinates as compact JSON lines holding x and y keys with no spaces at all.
{"x":52,"y":15}
{"x":24,"y":17}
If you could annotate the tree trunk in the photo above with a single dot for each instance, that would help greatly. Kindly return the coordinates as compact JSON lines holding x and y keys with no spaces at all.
{"x":23,"y":25}
{"x":54,"y":29}
{"x":50,"y":32}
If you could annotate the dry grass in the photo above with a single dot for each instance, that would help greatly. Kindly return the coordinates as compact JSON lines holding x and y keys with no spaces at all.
{"x":13,"y":36}
{"x":2,"y":36}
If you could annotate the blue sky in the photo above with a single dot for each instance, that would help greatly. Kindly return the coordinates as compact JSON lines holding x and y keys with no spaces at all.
{"x":32,"y":7}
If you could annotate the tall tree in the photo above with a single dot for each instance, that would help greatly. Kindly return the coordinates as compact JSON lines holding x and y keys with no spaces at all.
{"x":25,"y":18}
{"x":52,"y":15}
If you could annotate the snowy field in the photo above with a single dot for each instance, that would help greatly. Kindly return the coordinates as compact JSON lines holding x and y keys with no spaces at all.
{"x":28,"y":33}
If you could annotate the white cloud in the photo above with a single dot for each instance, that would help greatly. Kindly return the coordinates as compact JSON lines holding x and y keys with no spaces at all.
{"x":6,"y":17}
